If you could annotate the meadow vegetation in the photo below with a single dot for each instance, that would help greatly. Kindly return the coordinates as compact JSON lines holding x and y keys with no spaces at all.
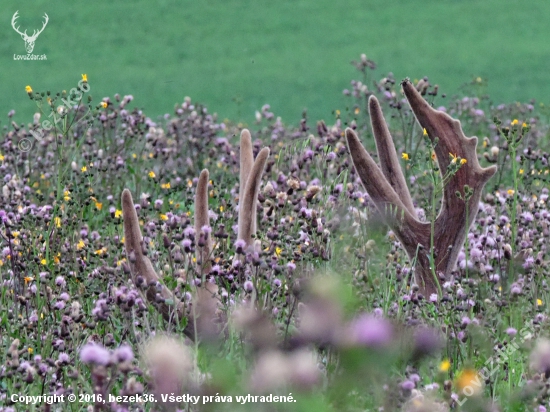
{"x":325,"y":313}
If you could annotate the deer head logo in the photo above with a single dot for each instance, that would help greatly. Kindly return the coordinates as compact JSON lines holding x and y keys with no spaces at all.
{"x":29,"y":40}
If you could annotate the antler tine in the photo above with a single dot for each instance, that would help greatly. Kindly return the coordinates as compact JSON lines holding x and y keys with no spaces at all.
{"x":250,"y":196}
{"x":385,"y":198}
{"x":141,"y":265}
{"x":207,"y":298}
{"x":246,"y":162}
{"x":14,"y":21}
{"x":35,"y":33}
{"x":201,"y":219}
{"x":46,"y":20}
{"x":448,"y":131}
{"x":389,"y":162}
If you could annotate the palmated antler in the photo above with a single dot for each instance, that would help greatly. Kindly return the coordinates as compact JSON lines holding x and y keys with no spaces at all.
{"x":250,"y":178}
{"x":388,"y":190}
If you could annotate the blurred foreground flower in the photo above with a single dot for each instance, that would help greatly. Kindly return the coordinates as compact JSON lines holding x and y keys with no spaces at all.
{"x":169,"y":363}
{"x":419,"y":402}
{"x":540,"y":357}
{"x":275,"y":369}
{"x":372,"y":331}
{"x":469,"y":382}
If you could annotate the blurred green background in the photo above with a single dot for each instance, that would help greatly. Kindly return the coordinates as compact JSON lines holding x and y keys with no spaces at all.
{"x":236,"y":55}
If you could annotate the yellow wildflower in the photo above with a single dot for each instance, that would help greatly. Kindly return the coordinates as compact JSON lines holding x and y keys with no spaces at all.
{"x":1,"y":157}
{"x":1,"y":262}
{"x":278,"y":251}
{"x":425,"y":132}
{"x":15,"y":233}
{"x":405,"y":156}
{"x":357,"y":111}
{"x":28,"y":89}
{"x":469,"y":381}
{"x":221,"y":208}
{"x":337,"y":112}
{"x":28,"y":279}
{"x":524,"y":125}
{"x":520,"y":171}
{"x":510,"y":192}
{"x":463,"y":161}
{"x":134,"y":156}
{"x":165,"y":185}
{"x":445,"y":365}
{"x":85,"y":78}
{"x":43,"y":262}
{"x":98,"y":205}
{"x":84,"y":169}
{"x":514,"y":122}
{"x":454,"y":158}
{"x":101,"y":251}
{"x":539,"y":302}
{"x":152,"y":174}
{"x":56,"y":259}
{"x":30,"y":350}
{"x":57,"y":221}
{"x":80,"y":245}
{"x":163,"y":217}
{"x":103,"y":105}
{"x":66,"y":196}
{"x":118,"y":213}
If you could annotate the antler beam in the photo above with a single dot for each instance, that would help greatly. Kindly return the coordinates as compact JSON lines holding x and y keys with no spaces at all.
{"x":387,"y":187}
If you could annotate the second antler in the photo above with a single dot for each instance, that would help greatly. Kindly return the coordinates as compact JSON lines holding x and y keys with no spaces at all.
{"x":387,"y":188}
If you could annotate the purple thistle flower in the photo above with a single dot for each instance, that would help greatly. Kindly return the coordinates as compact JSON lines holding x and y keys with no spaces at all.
{"x":94,"y":353}
{"x":371,"y":331}
{"x":248,"y":286}
{"x":511,"y":332}
{"x":123,"y":353}
{"x":240,"y":245}
{"x":407,"y":385}
{"x":63,"y":358}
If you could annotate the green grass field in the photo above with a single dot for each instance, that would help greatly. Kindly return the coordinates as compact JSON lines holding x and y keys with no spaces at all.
{"x":236,"y":56}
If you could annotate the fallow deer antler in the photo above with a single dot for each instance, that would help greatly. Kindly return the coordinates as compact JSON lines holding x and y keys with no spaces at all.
{"x":140,"y":265}
{"x":157,"y":293}
{"x":250,"y":178}
{"x":387,"y":187}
